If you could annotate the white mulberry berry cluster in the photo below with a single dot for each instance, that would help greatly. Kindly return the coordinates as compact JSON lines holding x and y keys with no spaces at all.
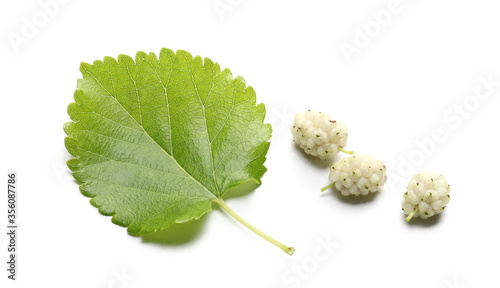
{"x":358,"y":175}
{"x":426,"y":195}
{"x":318,"y":134}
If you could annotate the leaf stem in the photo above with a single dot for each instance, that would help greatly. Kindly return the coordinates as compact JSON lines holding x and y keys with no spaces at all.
{"x":285,"y":248}
{"x":346,"y":151}
{"x":327,"y":187}
{"x":411,"y":215}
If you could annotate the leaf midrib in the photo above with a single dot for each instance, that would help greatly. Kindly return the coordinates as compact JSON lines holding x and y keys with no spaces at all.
{"x":207,"y":136}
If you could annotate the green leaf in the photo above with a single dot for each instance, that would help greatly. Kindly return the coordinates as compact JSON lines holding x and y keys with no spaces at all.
{"x":156,"y":140}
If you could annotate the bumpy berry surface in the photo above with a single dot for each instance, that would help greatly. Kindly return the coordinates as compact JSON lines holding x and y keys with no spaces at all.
{"x":358,"y":175}
{"x":427,"y":194}
{"x":318,"y":134}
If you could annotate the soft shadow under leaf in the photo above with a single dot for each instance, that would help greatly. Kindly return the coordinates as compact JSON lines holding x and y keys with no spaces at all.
{"x":177,"y":234}
{"x":241,"y":190}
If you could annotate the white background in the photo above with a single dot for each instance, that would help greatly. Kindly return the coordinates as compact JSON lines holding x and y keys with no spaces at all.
{"x":416,"y":73}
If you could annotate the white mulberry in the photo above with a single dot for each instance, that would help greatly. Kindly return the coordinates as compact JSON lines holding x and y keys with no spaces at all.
{"x":318,"y":134}
{"x":426,"y":195}
{"x":357,"y":175}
